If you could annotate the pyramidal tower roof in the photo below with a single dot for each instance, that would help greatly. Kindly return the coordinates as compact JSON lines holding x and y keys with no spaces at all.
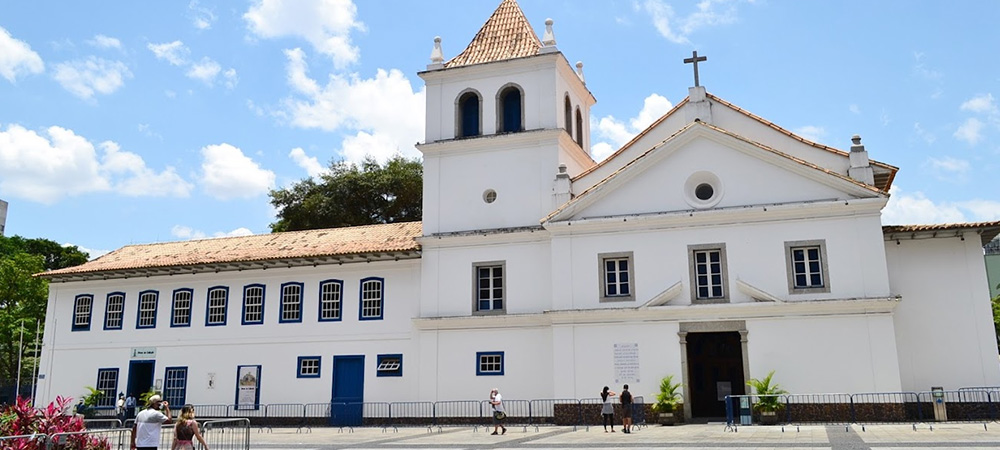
{"x":505,"y":35}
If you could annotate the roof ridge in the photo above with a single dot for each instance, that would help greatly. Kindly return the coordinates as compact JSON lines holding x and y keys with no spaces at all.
{"x":506,"y":34}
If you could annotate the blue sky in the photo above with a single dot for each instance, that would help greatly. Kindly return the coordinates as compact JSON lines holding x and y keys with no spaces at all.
{"x":126,"y":122}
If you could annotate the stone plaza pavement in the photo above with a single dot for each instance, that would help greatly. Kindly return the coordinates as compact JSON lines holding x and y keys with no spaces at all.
{"x":711,"y":436}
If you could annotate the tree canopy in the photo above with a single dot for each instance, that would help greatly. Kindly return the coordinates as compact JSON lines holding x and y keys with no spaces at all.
{"x":23,"y":297}
{"x":350,"y":195}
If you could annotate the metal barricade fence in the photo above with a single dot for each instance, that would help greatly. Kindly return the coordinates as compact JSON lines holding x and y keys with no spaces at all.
{"x":411,"y":413}
{"x":590,"y":411}
{"x":241,"y":411}
{"x":960,"y":406}
{"x":555,"y":411}
{"x":457,"y":412}
{"x":830,"y":409}
{"x":113,"y":439}
{"x":24,"y":442}
{"x":885,"y":407}
{"x":376,"y":414}
{"x":97,"y":424}
{"x":219,"y":411}
{"x":229,"y":434}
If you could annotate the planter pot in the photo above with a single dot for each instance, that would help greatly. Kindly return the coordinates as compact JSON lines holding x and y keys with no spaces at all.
{"x":667,"y":418}
{"x":768,"y":418}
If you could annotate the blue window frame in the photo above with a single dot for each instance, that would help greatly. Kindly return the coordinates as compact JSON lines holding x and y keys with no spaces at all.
{"x":331,"y":296}
{"x":180,"y":308}
{"x":469,"y":106}
{"x":489,"y":363}
{"x":253,"y":304}
{"x":372,"y":294}
{"x":114,"y":311}
{"x":389,"y":365}
{"x":146,"y":315}
{"x":216,"y":306}
{"x":510,"y":114}
{"x":291,"y":302}
{"x":83,"y":306}
{"x":175,"y":385}
{"x":107,"y":383}
{"x":309,"y":367}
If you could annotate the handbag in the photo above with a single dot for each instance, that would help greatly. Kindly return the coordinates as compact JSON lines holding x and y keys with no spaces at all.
{"x":499,"y":415}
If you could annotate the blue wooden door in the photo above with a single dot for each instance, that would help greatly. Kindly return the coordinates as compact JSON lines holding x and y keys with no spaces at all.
{"x":348,"y":390}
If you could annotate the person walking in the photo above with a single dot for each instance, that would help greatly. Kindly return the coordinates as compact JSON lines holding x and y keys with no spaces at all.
{"x":496,"y":400}
{"x":607,"y":409}
{"x":626,"y":399}
{"x":120,"y":407}
{"x":146,"y":430}
{"x":186,"y":429}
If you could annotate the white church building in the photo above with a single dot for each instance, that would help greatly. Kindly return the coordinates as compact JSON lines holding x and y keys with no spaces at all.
{"x":716,"y":246}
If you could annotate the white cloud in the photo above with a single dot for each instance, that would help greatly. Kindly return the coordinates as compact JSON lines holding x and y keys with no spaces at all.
{"x":17,"y":58}
{"x":85,"y":78}
{"x":325,"y":24}
{"x":133,"y":179}
{"x":928,"y":137}
{"x":93,"y":253}
{"x":48,"y":167}
{"x":854,"y":109}
{"x":811,"y":132}
{"x":384,"y":112}
{"x":105,"y":42}
{"x":205,"y":71}
{"x":201,"y":17}
{"x":982,"y":103}
{"x":920,"y":67}
{"x":309,"y":163}
{"x":228,"y":173}
{"x":678,"y":29}
{"x":916,"y":208}
{"x":188,"y":233}
{"x":616,"y":134}
{"x":175,"y":52}
{"x":948,"y":168}
{"x":971,"y":131}
{"x":230,"y":77}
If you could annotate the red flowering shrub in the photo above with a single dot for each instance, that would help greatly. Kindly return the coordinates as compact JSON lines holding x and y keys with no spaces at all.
{"x":23,"y":419}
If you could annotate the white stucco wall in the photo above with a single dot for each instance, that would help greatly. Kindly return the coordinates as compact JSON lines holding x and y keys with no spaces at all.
{"x":944,"y":323}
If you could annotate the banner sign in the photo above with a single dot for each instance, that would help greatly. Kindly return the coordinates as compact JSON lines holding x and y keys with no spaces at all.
{"x":248,"y":387}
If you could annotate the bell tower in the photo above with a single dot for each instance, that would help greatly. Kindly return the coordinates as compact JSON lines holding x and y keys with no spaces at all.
{"x":502,"y":116}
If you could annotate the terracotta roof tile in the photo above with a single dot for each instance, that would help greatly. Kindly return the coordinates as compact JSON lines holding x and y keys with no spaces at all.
{"x":393,"y":237}
{"x":505,"y":35}
{"x":988,"y":230}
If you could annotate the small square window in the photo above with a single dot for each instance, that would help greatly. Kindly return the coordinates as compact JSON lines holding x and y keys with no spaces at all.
{"x":489,"y":363}
{"x":807,"y":267}
{"x":309,"y":367}
{"x":616,"y":277}
{"x":389,"y":366}
{"x":490,"y":288}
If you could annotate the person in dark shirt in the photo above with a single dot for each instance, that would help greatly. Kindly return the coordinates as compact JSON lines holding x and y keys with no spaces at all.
{"x":626,"y":400}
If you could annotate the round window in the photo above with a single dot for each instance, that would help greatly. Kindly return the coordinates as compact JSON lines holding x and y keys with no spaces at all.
{"x":490,"y":196}
{"x":703,"y":190}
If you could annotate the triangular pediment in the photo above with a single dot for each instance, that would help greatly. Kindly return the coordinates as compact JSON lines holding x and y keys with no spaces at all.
{"x":738,"y":172}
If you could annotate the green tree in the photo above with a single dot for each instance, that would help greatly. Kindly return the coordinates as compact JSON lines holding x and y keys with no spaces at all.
{"x":23,"y":297}
{"x":349,"y":195}
{"x":996,"y":316}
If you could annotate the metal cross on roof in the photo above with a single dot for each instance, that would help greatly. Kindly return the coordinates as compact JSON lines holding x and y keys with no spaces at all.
{"x":694,"y":59}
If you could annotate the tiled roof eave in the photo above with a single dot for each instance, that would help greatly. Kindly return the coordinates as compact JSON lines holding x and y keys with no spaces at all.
{"x":234,"y":266}
{"x":986,"y":230}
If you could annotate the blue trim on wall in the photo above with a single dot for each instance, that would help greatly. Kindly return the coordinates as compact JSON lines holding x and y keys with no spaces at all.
{"x":173,"y":307}
{"x":263,"y":298}
{"x":319,"y":310}
{"x":319,"y":367}
{"x":281,"y":302}
{"x":396,"y":373}
{"x":107,"y":304}
{"x":479,"y":356}
{"x":208,"y":306}
{"x":114,"y":393}
{"x":156,"y":307}
{"x":90,"y":316}
{"x":183,"y":395}
{"x":361,"y":294}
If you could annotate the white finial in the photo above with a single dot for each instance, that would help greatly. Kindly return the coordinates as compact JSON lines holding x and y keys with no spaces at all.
{"x":579,"y":71}
{"x":549,"y":39}
{"x":437,"y":56}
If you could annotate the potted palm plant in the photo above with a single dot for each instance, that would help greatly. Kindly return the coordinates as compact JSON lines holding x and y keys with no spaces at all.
{"x":667,"y":401}
{"x":768,"y":398}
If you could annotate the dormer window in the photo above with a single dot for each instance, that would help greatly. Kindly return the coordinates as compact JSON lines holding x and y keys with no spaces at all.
{"x":469,"y":114}
{"x":568,"y":116}
{"x":579,"y":127}
{"x":510,"y":115}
